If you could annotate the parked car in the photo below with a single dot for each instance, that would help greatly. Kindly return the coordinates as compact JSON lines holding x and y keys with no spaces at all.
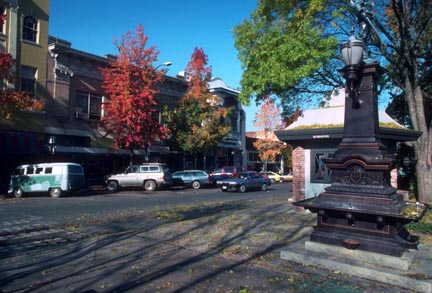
{"x":218,"y":175}
{"x":243,"y":181}
{"x":150,"y":176}
{"x":54,"y":178}
{"x":224,"y":173}
{"x":287,"y":177}
{"x":272,"y":176}
{"x":191,"y":178}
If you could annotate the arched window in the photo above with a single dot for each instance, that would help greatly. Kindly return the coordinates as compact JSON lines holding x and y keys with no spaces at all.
{"x":30,"y":29}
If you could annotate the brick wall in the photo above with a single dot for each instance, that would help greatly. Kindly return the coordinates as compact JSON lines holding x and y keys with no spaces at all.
{"x":298,"y":188}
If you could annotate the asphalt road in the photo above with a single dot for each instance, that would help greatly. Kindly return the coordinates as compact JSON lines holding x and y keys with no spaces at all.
{"x":101,"y":204}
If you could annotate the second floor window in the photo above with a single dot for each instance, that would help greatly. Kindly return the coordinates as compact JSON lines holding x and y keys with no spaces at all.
{"x":28,"y":80}
{"x":30,"y":29}
{"x":90,"y":103}
{"x":3,"y":18}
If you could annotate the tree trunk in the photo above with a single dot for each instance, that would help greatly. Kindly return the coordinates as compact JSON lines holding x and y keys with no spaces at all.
{"x":424,"y":182}
{"x":423,"y":146}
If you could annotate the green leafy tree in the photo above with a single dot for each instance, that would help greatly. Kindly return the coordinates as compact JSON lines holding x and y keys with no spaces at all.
{"x":132,"y":83}
{"x":197,"y":124}
{"x":282,"y":48}
{"x":289,"y":48}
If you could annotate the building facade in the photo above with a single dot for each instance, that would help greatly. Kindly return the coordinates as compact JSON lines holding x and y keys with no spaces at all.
{"x":24,"y":35}
{"x":70,"y":83}
{"x":232,"y":151}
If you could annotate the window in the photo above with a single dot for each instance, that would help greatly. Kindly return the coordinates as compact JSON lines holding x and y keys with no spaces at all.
{"x":48,"y":170}
{"x":90,"y":103}
{"x":3,"y":16}
{"x":253,"y":156}
{"x":39,"y":170}
{"x":30,"y":29}
{"x":154,"y":168}
{"x":75,"y":169}
{"x":233,"y":122}
{"x":30,"y":170}
{"x":28,"y":80}
{"x":229,"y":169}
{"x":319,"y":171}
{"x":144,"y":168}
{"x":19,"y":171}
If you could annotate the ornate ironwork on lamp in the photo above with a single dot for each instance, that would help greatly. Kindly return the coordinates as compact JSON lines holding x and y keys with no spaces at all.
{"x":352,"y":55}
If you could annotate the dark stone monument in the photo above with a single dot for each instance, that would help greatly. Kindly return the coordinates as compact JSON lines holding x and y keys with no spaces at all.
{"x":360,"y":209}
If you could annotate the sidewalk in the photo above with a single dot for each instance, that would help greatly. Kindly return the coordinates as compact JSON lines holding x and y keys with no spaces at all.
{"x":233,"y":247}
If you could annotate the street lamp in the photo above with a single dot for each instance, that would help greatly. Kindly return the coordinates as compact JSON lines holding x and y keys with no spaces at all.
{"x":352,"y":54}
{"x":166,"y":64}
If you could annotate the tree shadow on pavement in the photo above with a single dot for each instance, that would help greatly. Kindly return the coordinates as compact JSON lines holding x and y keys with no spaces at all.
{"x":212,"y":247}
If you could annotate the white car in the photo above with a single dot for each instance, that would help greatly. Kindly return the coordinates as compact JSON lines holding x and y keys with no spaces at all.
{"x":150,"y":176}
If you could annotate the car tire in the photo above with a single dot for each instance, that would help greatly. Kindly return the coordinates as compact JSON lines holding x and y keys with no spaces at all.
{"x":272,"y":181}
{"x":112,"y":185}
{"x":242,"y":188}
{"x":150,"y":185}
{"x":196,"y":185}
{"x":55,"y":192}
{"x":264,"y":187}
{"x":18,"y":192}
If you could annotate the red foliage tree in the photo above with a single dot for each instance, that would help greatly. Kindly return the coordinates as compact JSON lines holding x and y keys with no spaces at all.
{"x":267,"y":120}
{"x":131,"y":82}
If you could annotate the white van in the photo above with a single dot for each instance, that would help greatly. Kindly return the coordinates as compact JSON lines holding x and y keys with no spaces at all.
{"x":54,"y":178}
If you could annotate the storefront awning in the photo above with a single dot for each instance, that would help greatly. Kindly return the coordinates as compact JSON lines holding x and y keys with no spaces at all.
{"x":22,"y":143}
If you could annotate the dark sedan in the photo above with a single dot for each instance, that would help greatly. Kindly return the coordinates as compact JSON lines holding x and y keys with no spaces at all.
{"x":191,"y":178}
{"x":243,"y":181}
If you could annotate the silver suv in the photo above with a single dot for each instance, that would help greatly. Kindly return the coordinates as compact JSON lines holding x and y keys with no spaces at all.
{"x":149,"y":176}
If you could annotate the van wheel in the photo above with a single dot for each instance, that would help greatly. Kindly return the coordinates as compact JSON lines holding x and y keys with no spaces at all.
{"x":196,"y":185}
{"x":55,"y":192}
{"x":150,"y":185}
{"x":112,"y":186}
{"x":18,"y":192}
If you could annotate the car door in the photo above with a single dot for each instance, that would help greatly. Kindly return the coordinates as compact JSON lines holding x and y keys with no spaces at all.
{"x":187,"y":178}
{"x":255,"y":180}
{"x":131,"y":176}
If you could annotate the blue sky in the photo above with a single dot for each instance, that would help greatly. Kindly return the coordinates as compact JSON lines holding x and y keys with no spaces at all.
{"x":174,"y":27}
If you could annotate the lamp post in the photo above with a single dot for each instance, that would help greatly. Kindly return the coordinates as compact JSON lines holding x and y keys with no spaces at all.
{"x":352,"y":54}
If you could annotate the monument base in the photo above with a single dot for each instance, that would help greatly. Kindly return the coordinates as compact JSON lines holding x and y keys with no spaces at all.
{"x":413,"y":270}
